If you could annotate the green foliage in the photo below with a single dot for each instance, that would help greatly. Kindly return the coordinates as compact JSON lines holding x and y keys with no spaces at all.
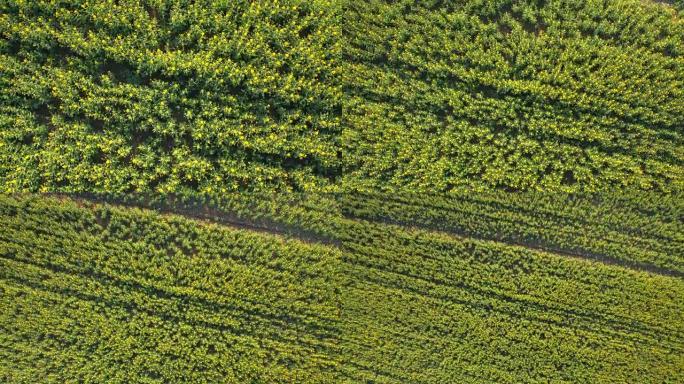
{"x":100,"y":293}
{"x":430,"y":308}
{"x":104,"y":294}
{"x":169,"y":95}
{"x":679,"y":4}
{"x":547,"y":95}
{"x":425,"y":306}
{"x":640,"y":230}
{"x":121,"y":107}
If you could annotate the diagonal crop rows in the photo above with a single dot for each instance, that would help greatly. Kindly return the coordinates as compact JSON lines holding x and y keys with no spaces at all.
{"x":242,"y":307}
{"x":95,"y":291}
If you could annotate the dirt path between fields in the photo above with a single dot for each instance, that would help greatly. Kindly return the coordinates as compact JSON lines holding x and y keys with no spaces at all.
{"x":541,"y":247}
{"x":222,"y":217}
{"x":212,"y":215}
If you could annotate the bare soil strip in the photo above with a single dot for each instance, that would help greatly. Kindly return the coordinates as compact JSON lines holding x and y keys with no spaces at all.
{"x":209,"y":214}
{"x":540,"y":247}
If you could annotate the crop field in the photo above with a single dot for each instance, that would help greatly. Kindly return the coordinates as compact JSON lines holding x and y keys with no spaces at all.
{"x":131,"y":96}
{"x":552,"y":95}
{"x":104,"y":294}
{"x":641,"y":231}
{"x":93,"y":291}
{"x":428,"y":306}
{"x":337,"y":191}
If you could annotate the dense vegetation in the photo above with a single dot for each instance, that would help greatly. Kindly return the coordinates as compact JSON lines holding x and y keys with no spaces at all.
{"x":642,"y":230}
{"x":217,"y":96}
{"x":679,"y":4}
{"x":103,"y":294}
{"x":428,"y":308}
{"x":513,"y":178}
{"x":96,"y":292}
{"x":514,"y":94}
{"x":169,"y":95}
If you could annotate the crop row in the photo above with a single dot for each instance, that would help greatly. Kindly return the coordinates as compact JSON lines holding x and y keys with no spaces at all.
{"x":638,"y":230}
{"x":425,"y":306}
{"x":164,"y":96}
{"x":121,"y":295}
{"x":430,"y":308}
{"x":392,"y":304}
{"x":518,"y":95}
{"x":618,"y":231}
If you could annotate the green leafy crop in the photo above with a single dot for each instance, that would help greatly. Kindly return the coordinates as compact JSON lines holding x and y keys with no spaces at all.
{"x":169,"y":95}
{"x":516,"y":95}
